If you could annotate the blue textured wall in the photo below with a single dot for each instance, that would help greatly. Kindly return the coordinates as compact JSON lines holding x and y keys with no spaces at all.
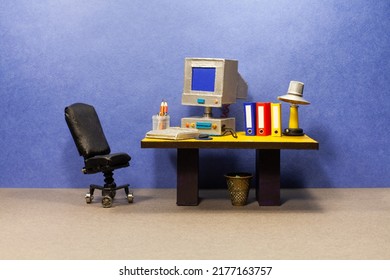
{"x":125,"y":56}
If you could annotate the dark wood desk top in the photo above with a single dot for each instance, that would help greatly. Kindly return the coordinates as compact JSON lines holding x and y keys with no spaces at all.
{"x":242,"y":142}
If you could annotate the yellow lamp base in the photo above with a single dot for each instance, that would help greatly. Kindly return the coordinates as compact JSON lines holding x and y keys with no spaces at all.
{"x":293,"y":129}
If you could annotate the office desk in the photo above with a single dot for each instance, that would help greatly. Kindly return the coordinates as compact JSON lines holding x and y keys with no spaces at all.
{"x":267,"y":150}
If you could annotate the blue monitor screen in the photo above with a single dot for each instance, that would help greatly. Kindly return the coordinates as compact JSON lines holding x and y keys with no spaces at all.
{"x":203,"y":79}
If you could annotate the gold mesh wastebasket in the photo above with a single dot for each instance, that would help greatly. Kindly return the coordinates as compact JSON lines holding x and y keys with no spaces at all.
{"x":238,"y":185}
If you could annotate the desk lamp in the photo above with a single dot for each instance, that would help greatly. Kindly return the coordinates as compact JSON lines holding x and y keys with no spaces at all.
{"x":294,"y":97}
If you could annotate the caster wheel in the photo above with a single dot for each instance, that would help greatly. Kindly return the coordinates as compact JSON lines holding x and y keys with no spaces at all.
{"x":88,"y":198}
{"x":107,"y":201}
{"x":110,"y":193}
{"x":130,"y":198}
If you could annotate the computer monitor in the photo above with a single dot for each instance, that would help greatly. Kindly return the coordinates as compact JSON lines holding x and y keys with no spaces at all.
{"x":210,"y":82}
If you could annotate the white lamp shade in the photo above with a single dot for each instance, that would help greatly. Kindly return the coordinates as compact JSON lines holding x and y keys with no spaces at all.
{"x":294,"y":94}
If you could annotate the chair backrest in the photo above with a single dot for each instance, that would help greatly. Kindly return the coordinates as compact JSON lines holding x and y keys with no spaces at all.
{"x":86,"y":130}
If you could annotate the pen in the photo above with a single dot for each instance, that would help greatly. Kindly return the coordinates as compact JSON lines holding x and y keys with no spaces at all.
{"x":165,"y":108}
{"x":161,"y":108}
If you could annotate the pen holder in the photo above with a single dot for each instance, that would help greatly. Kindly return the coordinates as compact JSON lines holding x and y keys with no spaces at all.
{"x":161,"y":122}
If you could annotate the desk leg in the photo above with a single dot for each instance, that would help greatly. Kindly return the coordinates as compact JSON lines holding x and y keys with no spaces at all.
{"x":187,"y":177}
{"x":268,"y":177}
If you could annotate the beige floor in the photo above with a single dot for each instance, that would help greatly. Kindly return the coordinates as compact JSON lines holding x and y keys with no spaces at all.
{"x":310,"y":224}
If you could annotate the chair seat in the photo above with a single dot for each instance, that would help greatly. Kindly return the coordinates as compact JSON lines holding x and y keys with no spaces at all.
{"x":106,"y":162}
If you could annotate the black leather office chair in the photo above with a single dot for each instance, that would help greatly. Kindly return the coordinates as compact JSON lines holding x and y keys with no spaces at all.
{"x":88,"y":135}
